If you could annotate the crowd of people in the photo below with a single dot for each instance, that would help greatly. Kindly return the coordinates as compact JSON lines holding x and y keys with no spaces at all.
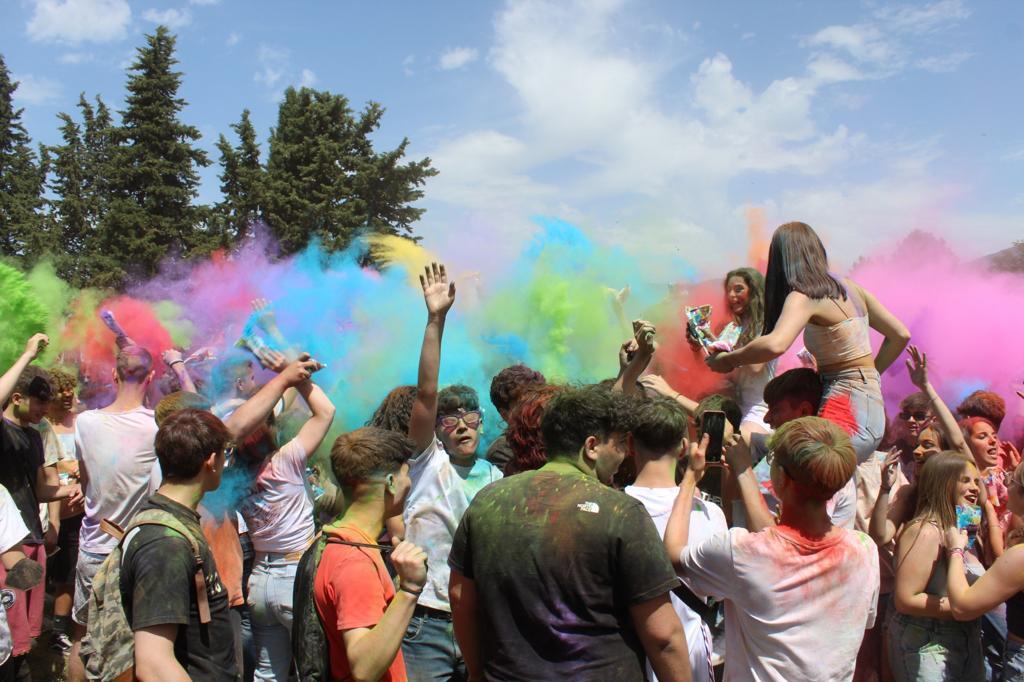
{"x":186,"y":533}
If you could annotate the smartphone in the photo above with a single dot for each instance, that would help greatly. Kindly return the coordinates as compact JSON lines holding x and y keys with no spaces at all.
{"x":969,"y":518}
{"x":712,"y":423}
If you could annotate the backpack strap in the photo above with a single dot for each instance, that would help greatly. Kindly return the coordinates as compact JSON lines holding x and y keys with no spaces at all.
{"x":158,"y":517}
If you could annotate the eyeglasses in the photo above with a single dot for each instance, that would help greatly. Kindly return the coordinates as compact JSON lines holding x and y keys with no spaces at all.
{"x":450,"y":422}
{"x":916,"y":416}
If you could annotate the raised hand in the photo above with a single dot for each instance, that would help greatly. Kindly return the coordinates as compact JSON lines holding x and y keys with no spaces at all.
{"x":36,"y":345}
{"x":696,"y":451}
{"x":271,"y":359}
{"x":643,"y":332}
{"x":889,"y":468}
{"x":626,"y":352}
{"x":656,"y":383}
{"x":917,"y":367}
{"x":736,"y":454}
{"x":171,"y":356}
{"x":438,"y":292}
{"x":719,"y":362}
{"x":300,"y":370}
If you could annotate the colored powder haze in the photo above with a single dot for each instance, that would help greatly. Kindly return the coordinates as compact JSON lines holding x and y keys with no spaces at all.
{"x":551,"y":308}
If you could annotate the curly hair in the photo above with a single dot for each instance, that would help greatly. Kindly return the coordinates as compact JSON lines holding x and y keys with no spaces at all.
{"x":62,"y":380}
{"x":395,"y":410}
{"x":985,"y":404}
{"x":177,"y":401}
{"x":358,"y":455}
{"x":523,"y":433}
{"x":457,"y":397}
{"x":576,"y":414}
{"x":509,"y":384}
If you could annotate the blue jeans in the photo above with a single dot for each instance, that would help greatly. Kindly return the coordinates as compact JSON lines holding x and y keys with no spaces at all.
{"x":430,"y":650}
{"x":1013,"y":661}
{"x":270,"y":611}
{"x":852,"y":399}
{"x":934,"y":650}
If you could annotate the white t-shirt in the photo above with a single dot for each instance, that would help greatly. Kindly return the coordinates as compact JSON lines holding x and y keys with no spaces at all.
{"x":706,"y":519}
{"x":440,"y":494}
{"x":277,"y":510}
{"x":12,"y":531}
{"x":116,"y":451}
{"x":796,"y":608}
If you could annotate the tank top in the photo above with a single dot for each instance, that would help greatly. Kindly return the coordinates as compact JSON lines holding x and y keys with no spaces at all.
{"x":840,"y":342}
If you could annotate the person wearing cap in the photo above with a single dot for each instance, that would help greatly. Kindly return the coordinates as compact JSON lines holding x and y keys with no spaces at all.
{"x":25,"y":392}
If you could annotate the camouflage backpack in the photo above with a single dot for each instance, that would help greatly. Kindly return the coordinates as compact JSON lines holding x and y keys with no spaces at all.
{"x":108,"y":648}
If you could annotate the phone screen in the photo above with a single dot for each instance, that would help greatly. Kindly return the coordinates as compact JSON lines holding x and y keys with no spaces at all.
{"x":713,"y":424}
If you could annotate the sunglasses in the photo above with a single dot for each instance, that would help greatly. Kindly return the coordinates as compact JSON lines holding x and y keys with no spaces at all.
{"x":916,"y":416}
{"x":450,"y":422}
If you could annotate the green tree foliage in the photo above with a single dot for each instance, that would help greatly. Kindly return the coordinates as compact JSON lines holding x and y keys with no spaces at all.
{"x":324,"y":179}
{"x":152,"y":172}
{"x":22,"y":180}
{"x":241,"y":180}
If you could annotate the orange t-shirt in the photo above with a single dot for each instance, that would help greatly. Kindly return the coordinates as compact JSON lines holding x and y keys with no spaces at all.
{"x":352,"y":590}
{"x":222,"y":537}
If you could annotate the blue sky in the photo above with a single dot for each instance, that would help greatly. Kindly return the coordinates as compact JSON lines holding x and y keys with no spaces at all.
{"x":652,"y":125}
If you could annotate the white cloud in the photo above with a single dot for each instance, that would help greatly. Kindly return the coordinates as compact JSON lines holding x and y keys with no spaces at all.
{"x":233,"y":39}
{"x":77,"y":21}
{"x":36,"y":89}
{"x":945,"y":63}
{"x":921,"y":19}
{"x":171,"y":18}
{"x":307,"y":79}
{"x":863,"y":42}
{"x":273,"y":65}
{"x":457,"y":57}
{"x":408,"y":63}
{"x":1015,"y":155}
{"x":76,"y":57}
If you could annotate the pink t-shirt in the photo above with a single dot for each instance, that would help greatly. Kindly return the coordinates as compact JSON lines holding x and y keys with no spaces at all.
{"x":277,"y":509}
{"x":796,"y":608}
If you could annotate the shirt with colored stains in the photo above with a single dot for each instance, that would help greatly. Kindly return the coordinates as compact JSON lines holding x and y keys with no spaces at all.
{"x":558,"y":559}
{"x":158,"y":588}
{"x":440,"y":494}
{"x":795,"y":607}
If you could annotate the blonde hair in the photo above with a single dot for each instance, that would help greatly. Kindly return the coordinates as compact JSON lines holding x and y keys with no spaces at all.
{"x":936,"y":487}
{"x":816,"y":454}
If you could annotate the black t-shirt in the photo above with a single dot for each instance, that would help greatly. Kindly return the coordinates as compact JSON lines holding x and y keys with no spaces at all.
{"x":20,"y":461}
{"x":558,"y":559}
{"x":158,"y":588}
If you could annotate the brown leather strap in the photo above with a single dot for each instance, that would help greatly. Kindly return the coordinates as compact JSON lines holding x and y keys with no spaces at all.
{"x":202,"y":601}
{"x":112,"y":529}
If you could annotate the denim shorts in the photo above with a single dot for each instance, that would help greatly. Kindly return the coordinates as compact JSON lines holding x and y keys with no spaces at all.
{"x":1013,"y":661}
{"x":852,"y":399}
{"x":934,"y":650}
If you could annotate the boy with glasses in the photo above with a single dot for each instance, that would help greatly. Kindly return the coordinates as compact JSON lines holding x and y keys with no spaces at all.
{"x":446,"y":474}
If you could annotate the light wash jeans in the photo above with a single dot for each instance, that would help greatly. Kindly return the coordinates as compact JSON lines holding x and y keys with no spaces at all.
{"x":852,"y":399}
{"x":270,"y":610}
{"x":430,"y":651}
{"x":934,"y":650}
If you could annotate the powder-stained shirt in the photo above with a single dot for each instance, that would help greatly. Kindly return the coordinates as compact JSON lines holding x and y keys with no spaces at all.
{"x":795,"y":607}
{"x":439,"y":496}
{"x":277,"y":509}
{"x":12,"y":532}
{"x":158,"y":588}
{"x":558,"y":559}
{"x":115,"y":451}
{"x":21,"y":457}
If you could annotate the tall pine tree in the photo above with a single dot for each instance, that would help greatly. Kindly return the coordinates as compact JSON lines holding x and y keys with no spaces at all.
{"x":22,"y":180}
{"x":241,"y":180}
{"x":324,"y":179}
{"x":152,"y":173}
{"x":70,"y":205}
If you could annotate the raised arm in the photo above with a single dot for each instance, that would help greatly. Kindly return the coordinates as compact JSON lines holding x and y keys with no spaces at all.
{"x":882,"y":525}
{"x":438,"y":295}
{"x":657,"y":384}
{"x":636,"y":354}
{"x":896,"y":334}
{"x":316,"y":427}
{"x":33,"y":348}
{"x":737,"y":456}
{"x":175,"y":363}
{"x":677,"y":531}
{"x":796,"y":313}
{"x":917,"y":366}
{"x":254,"y":411}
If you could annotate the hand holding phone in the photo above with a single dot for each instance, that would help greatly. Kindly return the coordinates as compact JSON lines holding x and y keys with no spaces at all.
{"x":712,"y":424}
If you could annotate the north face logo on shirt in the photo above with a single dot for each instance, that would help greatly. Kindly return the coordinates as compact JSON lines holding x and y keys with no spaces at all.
{"x":591,"y":507}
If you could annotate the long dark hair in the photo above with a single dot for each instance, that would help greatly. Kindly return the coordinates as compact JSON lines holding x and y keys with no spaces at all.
{"x":796,"y":262}
{"x":753,"y":320}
